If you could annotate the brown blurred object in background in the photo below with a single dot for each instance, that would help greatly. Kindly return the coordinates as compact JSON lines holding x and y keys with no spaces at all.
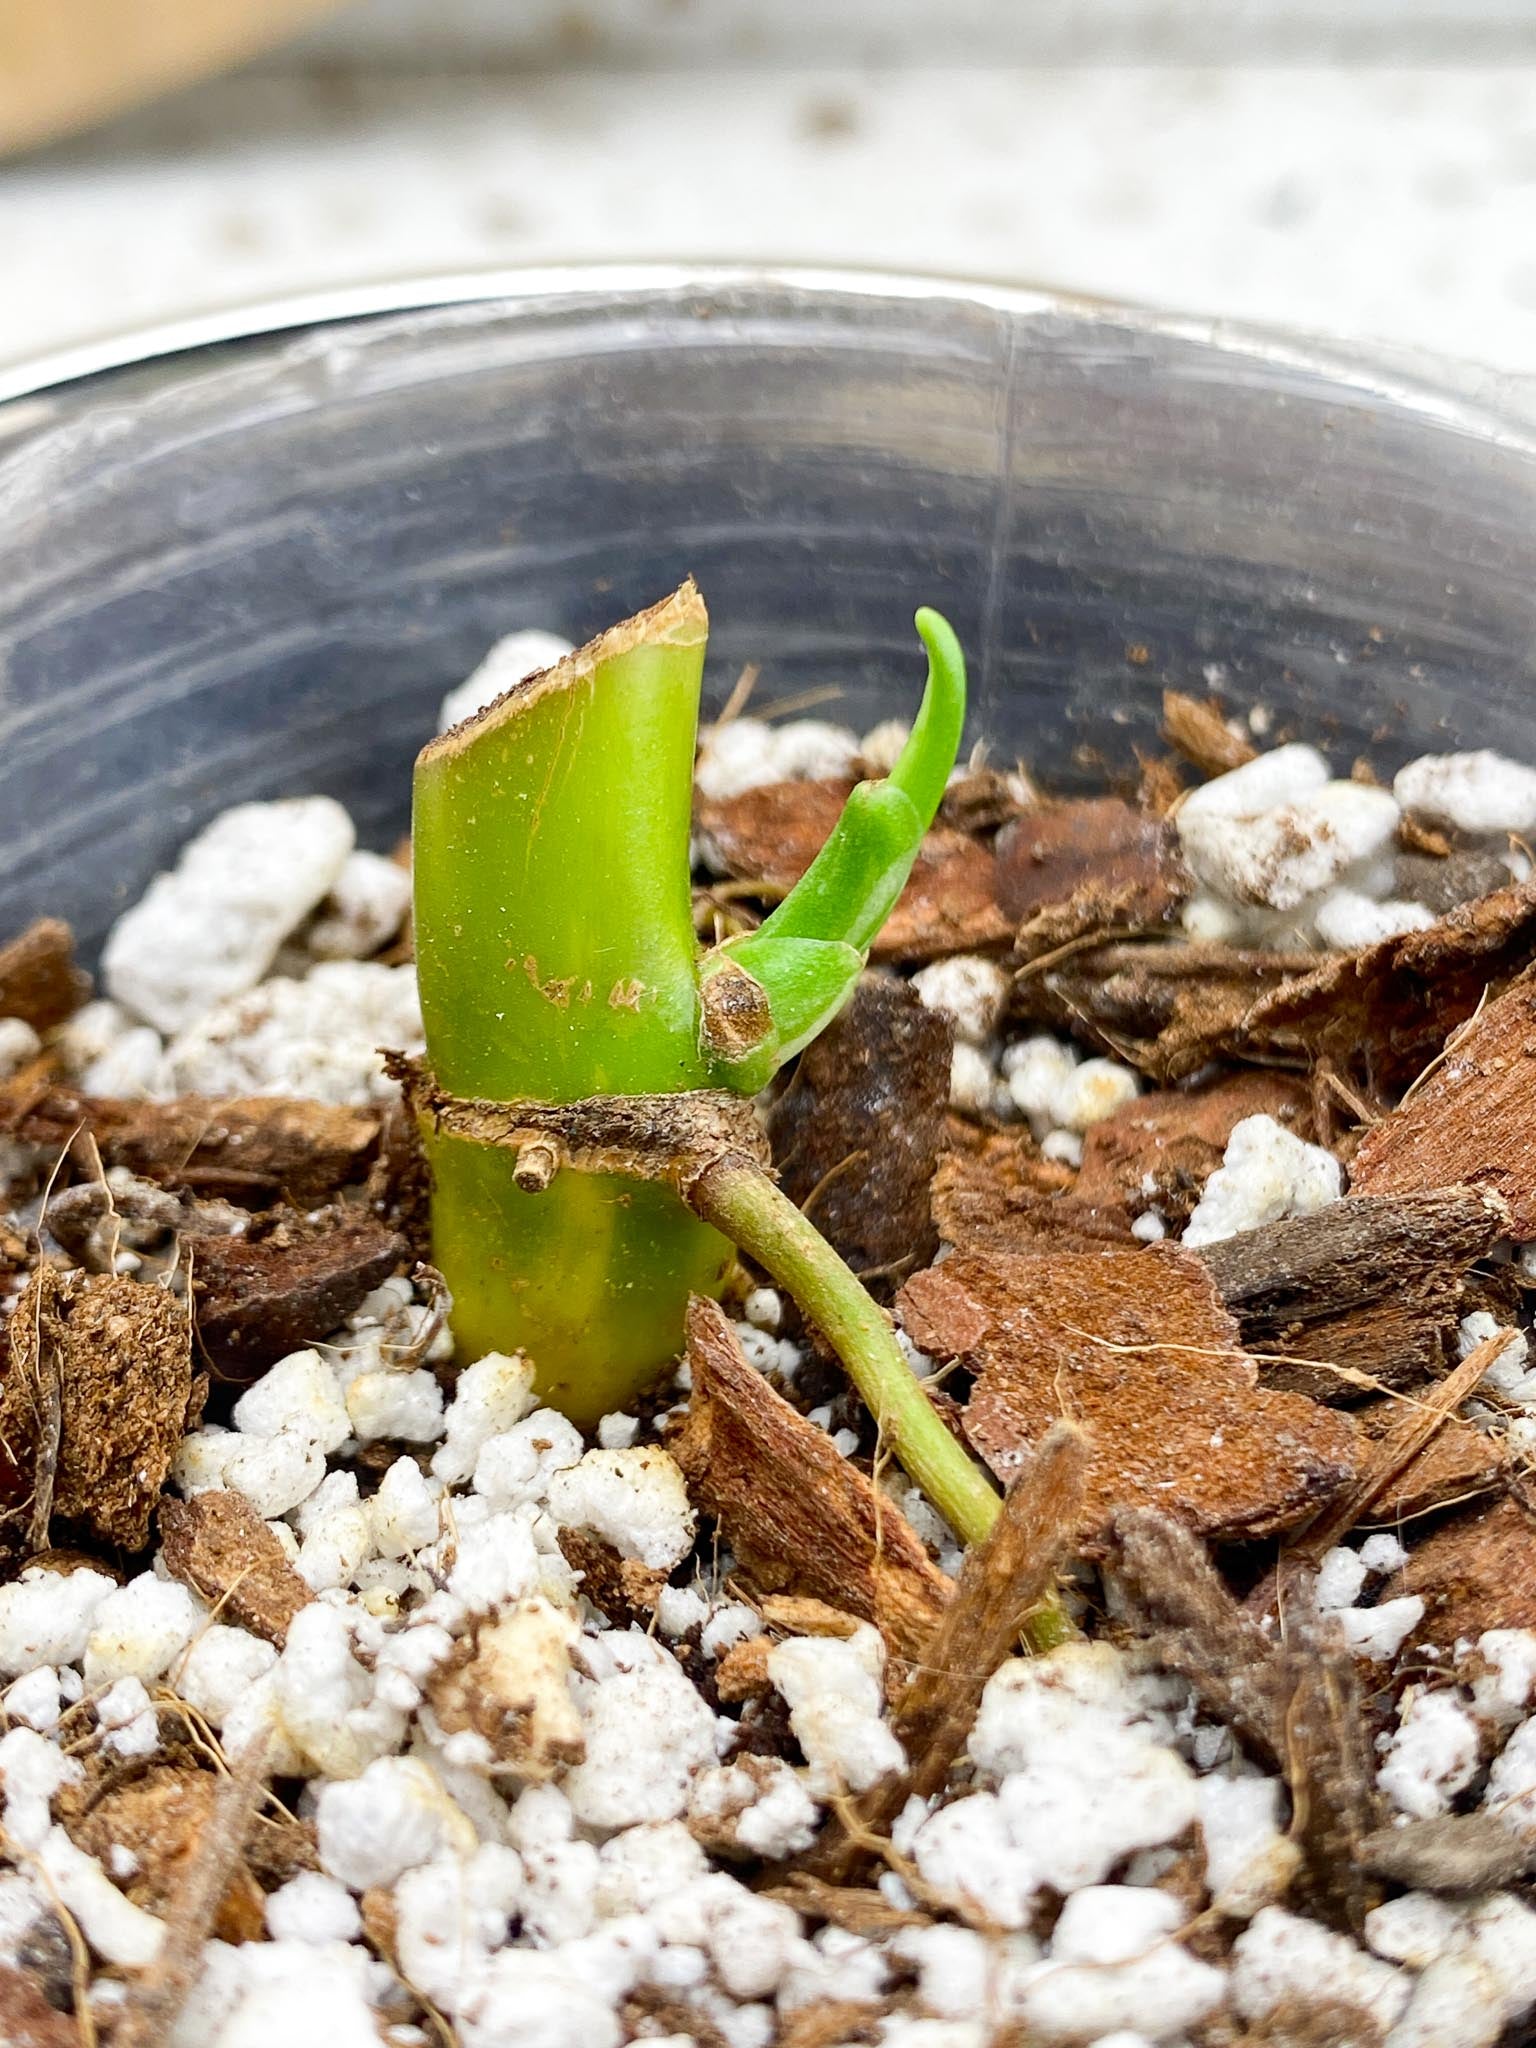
{"x":65,"y":64}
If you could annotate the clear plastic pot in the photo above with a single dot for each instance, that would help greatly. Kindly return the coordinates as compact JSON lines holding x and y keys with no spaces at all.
{"x":247,"y":559}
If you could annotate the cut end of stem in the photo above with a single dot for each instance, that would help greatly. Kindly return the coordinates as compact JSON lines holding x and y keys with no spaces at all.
{"x":681,"y":620}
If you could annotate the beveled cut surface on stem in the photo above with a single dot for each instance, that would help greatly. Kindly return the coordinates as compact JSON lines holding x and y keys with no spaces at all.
{"x":681,"y":620}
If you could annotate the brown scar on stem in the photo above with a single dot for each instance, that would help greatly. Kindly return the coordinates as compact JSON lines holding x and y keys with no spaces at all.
{"x":626,"y":993}
{"x":671,"y":1138}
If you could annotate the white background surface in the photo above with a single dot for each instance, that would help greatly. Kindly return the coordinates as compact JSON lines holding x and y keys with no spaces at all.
{"x":1373,"y":176}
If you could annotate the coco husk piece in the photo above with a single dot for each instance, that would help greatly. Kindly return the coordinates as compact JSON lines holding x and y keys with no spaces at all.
{"x":217,"y":1544}
{"x":798,"y":1515}
{"x":94,"y":1403}
{"x":257,"y":1299}
{"x":857,"y":1133}
{"x":1138,"y":1348}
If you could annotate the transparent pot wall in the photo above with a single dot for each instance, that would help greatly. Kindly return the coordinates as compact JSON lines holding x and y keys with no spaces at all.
{"x":253,"y":568}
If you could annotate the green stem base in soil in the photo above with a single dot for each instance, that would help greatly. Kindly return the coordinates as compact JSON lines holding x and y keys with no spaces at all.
{"x":744,"y":1204}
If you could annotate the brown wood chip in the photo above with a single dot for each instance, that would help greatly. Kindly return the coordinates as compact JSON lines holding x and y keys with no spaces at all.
{"x":1394,"y":1453}
{"x":625,"y":1589}
{"x":1137,"y":1348}
{"x":1166,"y":1007}
{"x":253,"y":1149}
{"x":101,"y":1370}
{"x":27,"y":2020}
{"x":256,"y":1302}
{"x":1457,"y":1464}
{"x":1161,"y":1149}
{"x":217,"y":1544}
{"x":857,"y":1133}
{"x":1456,"y":1853}
{"x":1196,"y":727}
{"x":1372,"y":1284}
{"x":772,"y":834}
{"x":1387,"y":1012}
{"x":1475,"y":1572}
{"x":1474,"y":1118}
{"x":1169,"y":1007}
{"x":1096,"y":865}
{"x":995,"y":1197}
{"x":39,"y":981}
{"x":799,"y":1517}
{"x":160,"y":1816}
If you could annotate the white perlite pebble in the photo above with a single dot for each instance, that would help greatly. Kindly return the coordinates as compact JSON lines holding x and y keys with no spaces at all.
{"x":406,"y":1510}
{"x":1379,"y":1632}
{"x":968,"y":989}
{"x":509,"y":661}
{"x":1114,"y":1964}
{"x":524,"y":1999}
{"x":220,"y":1669}
{"x":1511,"y":1789}
{"x":1456,"y":2003}
{"x":34,"y":1699}
{"x":748,"y":753}
{"x":1341,"y":1577}
{"x":488,"y":1398}
{"x":1285,"y":775}
{"x":127,"y":1719}
{"x":520,"y":1464}
{"x":1280,"y":1958}
{"x":318,"y":1038}
{"x":617,"y":1432}
{"x":1249,"y":1860}
{"x":297,"y":1397}
{"x":364,"y":911}
{"x":974,"y":1088}
{"x":405,"y":1407}
{"x":1058,"y":1091}
{"x":1275,"y":832}
{"x":1478,"y":793}
{"x":18,"y":1044}
{"x":140,"y":1629}
{"x":373,"y":1828}
{"x":312,"y":1907}
{"x":1267,"y":1172}
{"x":635,"y":1500}
{"x":770,"y":1812}
{"x":46,"y":1617}
{"x":1083,"y":1781}
{"x":1349,"y":920}
{"x":275,"y":1473}
{"x":1413,"y":1929}
{"x":108,"y":1054}
{"x":1510,"y":1375}
{"x":647,"y":1732}
{"x":1383,"y":1553}
{"x":1432,"y":1755}
{"x":1501,"y":1689}
{"x":451,"y":1914}
{"x":32,"y":1769}
{"x":209,"y":929}
{"x":118,"y":1930}
{"x":835,"y":1695}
